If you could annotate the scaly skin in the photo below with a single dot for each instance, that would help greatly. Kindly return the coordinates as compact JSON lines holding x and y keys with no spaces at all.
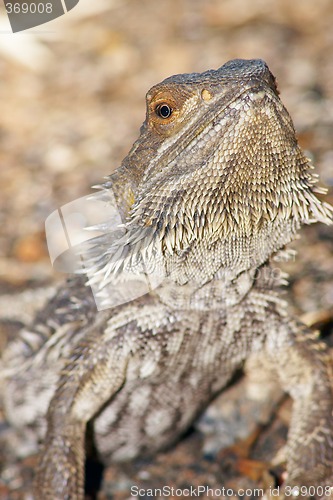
{"x":215,"y":185}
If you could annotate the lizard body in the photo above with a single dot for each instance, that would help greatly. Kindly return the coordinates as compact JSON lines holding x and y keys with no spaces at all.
{"x":217,"y":185}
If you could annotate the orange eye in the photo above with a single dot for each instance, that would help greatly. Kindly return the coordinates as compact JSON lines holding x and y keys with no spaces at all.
{"x":163,"y":110}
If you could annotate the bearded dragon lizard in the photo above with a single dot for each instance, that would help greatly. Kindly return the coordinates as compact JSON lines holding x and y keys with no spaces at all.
{"x":216,"y":185}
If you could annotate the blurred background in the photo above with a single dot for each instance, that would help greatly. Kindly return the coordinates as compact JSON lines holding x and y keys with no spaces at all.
{"x":72,"y":101}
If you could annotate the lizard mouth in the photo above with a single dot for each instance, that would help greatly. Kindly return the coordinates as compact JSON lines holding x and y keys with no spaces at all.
{"x":166,"y":156}
{"x":171,"y":177}
{"x":222,"y":175}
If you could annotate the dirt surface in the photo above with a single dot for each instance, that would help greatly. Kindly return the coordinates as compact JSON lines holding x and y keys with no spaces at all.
{"x":72,"y":100}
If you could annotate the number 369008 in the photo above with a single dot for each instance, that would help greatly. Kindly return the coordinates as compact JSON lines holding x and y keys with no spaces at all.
{"x":28,"y":8}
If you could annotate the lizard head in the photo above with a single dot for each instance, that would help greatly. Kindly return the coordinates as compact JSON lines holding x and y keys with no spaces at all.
{"x":217,"y":166}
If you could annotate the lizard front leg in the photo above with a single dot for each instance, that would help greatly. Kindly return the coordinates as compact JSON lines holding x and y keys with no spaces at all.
{"x":305,"y":368}
{"x":95,"y":372}
{"x":144,"y":345}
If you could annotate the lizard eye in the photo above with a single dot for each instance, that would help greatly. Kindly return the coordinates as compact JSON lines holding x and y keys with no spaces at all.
{"x":163,"y":110}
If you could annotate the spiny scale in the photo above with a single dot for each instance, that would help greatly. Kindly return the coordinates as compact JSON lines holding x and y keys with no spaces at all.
{"x":208,"y":196}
